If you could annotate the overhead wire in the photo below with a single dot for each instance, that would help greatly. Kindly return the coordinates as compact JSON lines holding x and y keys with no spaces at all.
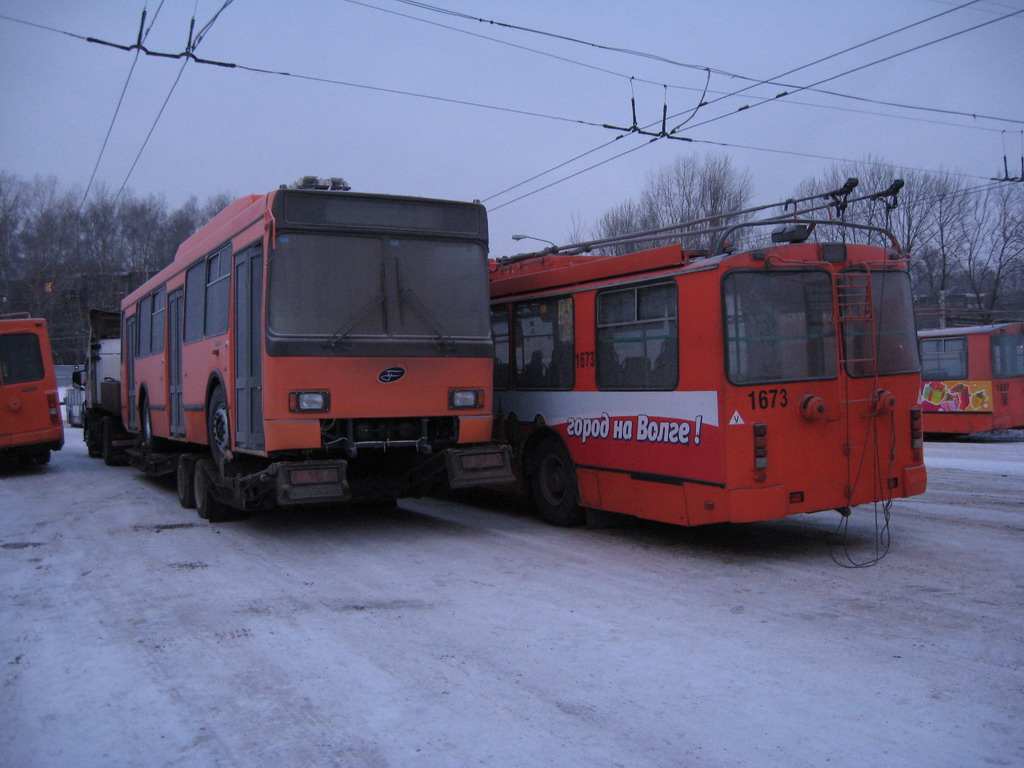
{"x":882,"y":60}
{"x":189,"y":53}
{"x":193,"y":42}
{"x":676,"y":86}
{"x":700,"y":67}
{"x":856,"y":69}
{"x":143,"y":34}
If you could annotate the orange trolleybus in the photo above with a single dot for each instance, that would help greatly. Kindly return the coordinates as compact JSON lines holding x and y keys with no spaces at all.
{"x":313,"y":344}
{"x":30,"y":420}
{"x":972,"y":379}
{"x":702,"y":387}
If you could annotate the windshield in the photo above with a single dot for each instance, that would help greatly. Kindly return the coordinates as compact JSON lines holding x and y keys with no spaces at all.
{"x":779,"y":326}
{"x":346,"y":291}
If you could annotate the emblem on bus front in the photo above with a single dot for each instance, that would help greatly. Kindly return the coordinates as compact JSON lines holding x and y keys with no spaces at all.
{"x":390,"y":374}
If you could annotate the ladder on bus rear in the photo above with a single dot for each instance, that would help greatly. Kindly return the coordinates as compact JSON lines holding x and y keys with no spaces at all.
{"x":855,"y":311}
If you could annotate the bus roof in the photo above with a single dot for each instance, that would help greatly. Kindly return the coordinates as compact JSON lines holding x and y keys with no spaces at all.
{"x":222,"y":227}
{"x":556,"y":269}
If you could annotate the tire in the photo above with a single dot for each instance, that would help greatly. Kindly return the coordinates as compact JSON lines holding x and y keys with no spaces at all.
{"x":218,"y":425}
{"x":146,"y":427}
{"x":107,"y":450}
{"x":553,"y":483}
{"x":186,"y":481}
{"x":207,"y":506}
{"x":43,"y":457}
{"x":93,"y":441}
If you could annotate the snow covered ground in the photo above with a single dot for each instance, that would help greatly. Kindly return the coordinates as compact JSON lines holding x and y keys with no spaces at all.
{"x":467,"y":633}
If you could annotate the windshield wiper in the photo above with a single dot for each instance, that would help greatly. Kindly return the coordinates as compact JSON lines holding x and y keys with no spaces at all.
{"x":338,"y":337}
{"x":442,"y":338}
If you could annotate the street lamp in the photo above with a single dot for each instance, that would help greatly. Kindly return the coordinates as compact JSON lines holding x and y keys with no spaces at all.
{"x":552,"y":249}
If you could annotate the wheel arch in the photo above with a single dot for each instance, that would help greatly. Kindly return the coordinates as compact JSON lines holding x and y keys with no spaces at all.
{"x":216,"y":380}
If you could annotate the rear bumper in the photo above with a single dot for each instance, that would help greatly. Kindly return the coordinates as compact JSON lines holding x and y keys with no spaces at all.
{"x":52,"y":438}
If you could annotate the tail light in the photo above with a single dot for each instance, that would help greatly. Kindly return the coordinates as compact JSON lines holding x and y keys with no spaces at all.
{"x":916,"y":434}
{"x":51,"y":401}
{"x":760,"y":446}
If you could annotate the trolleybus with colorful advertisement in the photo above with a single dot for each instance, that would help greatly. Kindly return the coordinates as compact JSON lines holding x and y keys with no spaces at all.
{"x":30,"y":420}
{"x":312,"y":345}
{"x":972,"y":379}
{"x":697,"y":387}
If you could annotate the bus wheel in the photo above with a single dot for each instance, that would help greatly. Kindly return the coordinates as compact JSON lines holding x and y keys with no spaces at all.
{"x":92,"y":442}
{"x":553,"y":481}
{"x":208,"y":507}
{"x":218,"y":425}
{"x":107,"y":442}
{"x":186,"y":481}
{"x":146,"y":424}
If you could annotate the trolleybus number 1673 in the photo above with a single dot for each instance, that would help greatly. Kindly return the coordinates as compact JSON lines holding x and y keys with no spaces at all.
{"x":764,"y":399}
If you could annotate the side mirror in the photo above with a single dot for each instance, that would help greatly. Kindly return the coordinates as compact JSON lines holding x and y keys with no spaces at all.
{"x":76,"y":379}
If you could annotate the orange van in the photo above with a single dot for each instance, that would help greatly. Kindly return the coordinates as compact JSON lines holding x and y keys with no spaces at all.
{"x":30,"y":419}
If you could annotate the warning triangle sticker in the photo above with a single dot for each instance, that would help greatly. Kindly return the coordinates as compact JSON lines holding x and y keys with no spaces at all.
{"x":736,"y":418}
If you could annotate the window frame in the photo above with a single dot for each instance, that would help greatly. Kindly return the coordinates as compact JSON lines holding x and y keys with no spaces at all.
{"x":600,"y":359}
{"x":1002,"y":360}
{"x":195,"y":302}
{"x":558,"y":325}
{"x":144,"y":312}
{"x":944,"y":341}
{"x":218,"y":293}
{"x":35,"y":350}
{"x":877,"y":277}
{"x":502,"y":382}
{"x":831,"y":340}
{"x":158,"y":321}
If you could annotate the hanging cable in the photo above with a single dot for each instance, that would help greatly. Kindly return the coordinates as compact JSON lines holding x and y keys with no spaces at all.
{"x":143,"y":34}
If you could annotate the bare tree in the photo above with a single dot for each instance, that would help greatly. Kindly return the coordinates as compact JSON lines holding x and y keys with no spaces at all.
{"x":993,"y":238}
{"x":965,"y":240}
{"x":687,"y":189}
{"x":60,"y":257}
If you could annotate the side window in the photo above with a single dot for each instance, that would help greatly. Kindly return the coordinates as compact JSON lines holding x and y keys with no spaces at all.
{"x":944,"y":359}
{"x":499,"y":330}
{"x":195,"y":301}
{"x":156,"y":339}
{"x":145,"y":315}
{"x":218,"y":285}
{"x":638,"y":338}
{"x":544,"y":344}
{"x":1007,"y":355}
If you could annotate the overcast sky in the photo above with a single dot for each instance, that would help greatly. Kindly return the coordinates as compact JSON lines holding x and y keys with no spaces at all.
{"x":528,"y":101}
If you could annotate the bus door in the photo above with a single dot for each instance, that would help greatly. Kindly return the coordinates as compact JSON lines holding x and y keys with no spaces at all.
{"x":788,"y":393}
{"x":175,"y":313}
{"x":130,"y":348}
{"x":876,"y":325}
{"x":248,"y":348}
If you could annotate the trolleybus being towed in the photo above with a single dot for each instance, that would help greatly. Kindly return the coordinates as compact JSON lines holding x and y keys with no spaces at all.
{"x":312,"y":345}
{"x":702,"y":387}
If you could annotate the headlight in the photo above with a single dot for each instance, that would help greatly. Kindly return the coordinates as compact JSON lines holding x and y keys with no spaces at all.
{"x":309,"y":401}
{"x":465,"y":398}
